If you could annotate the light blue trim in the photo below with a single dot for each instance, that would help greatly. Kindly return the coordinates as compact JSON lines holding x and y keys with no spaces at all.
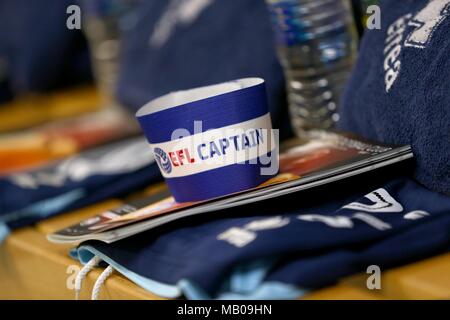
{"x":86,"y":253}
{"x":4,"y":232}
{"x":266,"y":291}
{"x":192,"y":291}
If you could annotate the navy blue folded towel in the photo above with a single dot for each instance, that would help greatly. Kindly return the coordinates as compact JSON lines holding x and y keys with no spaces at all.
{"x":400,"y":89}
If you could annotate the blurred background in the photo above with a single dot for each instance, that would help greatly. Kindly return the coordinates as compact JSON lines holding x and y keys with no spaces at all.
{"x":74,"y":72}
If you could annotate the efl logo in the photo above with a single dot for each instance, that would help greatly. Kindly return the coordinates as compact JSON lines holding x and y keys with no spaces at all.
{"x":181,"y":157}
{"x":163,"y":160}
{"x":250,"y":143}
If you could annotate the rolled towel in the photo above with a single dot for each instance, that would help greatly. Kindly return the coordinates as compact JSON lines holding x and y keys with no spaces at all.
{"x":399,"y":91}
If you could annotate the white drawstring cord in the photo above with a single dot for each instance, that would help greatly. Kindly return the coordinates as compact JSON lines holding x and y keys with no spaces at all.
{"x":100,"y":280}
{"x":82,"y":274}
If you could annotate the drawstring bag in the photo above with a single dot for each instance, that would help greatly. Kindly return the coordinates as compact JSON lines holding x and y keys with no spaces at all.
{"x":262,"y":256}
{"x":91,"y":176}
{"x":399,"y":92}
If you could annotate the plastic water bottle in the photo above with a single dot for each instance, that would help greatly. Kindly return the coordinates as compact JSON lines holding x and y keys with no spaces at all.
{"x":316,"y":44}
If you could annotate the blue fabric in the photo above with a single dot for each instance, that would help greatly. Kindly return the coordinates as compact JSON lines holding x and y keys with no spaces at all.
{"x":76,"y":182}
{"x":399,"y":89}
{"x":333,"y":232}
{"x":38,"y":50}
{"x":224,"y":40}
{"x":215,"y":112}
{"x":43,"y":208}
{"x":425,"y":239}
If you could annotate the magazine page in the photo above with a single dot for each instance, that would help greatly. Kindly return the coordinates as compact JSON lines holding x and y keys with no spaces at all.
{"x":298,"y":162}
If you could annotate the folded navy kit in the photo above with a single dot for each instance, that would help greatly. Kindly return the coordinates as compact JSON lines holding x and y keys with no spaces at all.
{"x":94,"y":175}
